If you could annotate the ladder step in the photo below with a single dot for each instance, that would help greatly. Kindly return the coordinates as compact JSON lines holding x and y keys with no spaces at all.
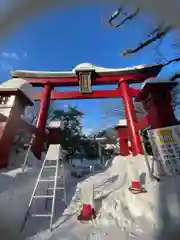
{"x":43,"y":196}
{"x":46,"y":180}
{"x":40,"y":215}
{"x":49,"y":166}
{"x":54,"y":177}
{"x":57,"y":188}
{"x":52,"y":160}
{"x":50,"y":179}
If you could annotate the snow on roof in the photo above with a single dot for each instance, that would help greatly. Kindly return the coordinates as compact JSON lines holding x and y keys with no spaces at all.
{"x":122,"y":123}
{"x":89,"y":66}
{"x":80,"y":67}
{"x":22,"y":85}
{"x":156,"y":81}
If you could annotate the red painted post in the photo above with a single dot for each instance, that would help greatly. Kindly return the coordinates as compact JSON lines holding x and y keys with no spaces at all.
{"x":123,"y":140}
{"x":131,"y":119}
{"x":38,"y":144}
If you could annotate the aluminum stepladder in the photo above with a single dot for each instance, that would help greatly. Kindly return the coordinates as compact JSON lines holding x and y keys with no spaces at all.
{"x":52,"y":161}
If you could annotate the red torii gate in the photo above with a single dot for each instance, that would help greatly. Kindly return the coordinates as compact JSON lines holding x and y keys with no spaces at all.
{"x":85,"y":75}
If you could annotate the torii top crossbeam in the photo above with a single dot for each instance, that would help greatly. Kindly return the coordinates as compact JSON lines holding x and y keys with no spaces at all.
{"x":102,"y":76}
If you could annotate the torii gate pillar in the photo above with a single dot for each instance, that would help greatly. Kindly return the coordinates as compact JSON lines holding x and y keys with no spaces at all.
{"x":131,"y":118}
{"x":38,"y":144}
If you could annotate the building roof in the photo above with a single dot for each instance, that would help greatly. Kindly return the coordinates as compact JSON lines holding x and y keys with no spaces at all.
{"x":20,"y":84}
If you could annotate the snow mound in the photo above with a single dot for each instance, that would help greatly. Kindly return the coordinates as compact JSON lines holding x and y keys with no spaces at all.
{"x":157,"y":211}
{"x":122,"y":207}
{"x":153,"y":209}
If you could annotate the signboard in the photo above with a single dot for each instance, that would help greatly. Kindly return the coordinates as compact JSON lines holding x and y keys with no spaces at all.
{"x":85,"y":82}
{"x":165,"y":143}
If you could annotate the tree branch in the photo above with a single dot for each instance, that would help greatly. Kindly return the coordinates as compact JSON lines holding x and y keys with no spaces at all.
{"x":171,"y":61}
{"x":159,"y":28}
{"x":176,"y":75}
{"x":128,"y":18}
{"x":159,"y":35}
{"x":115,"y":15}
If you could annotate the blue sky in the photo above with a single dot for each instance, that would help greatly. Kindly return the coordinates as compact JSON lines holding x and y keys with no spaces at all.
{"x":61,"y":38}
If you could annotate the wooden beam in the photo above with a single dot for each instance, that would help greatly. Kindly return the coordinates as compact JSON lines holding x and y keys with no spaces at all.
{"x":134,"y":92}
{"x":100,"y":80}
{"x":94,"y":95}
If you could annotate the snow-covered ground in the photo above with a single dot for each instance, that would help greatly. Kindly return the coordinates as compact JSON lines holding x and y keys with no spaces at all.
{"x":121,"y":215}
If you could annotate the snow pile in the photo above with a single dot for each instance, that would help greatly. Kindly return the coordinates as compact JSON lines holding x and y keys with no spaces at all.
{"x":136,"y":214}
{"x":122,"y":207}
{"x":148,"y":210}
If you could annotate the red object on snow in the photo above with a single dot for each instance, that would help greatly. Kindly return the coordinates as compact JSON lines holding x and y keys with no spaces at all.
{"x":87,"y":213}
{"x":136,"y":187}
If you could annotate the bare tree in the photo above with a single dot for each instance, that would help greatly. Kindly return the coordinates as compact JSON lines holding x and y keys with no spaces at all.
{"x":116,"y":110}
{"x":157,"y":34}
